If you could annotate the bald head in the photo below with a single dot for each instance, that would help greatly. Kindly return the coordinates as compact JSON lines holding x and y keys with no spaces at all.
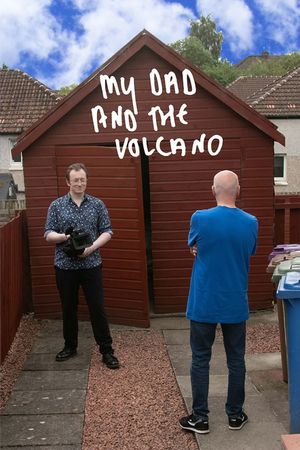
{"x":226,"y":187}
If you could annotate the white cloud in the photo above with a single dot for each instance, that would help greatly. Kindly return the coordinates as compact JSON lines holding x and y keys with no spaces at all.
{"x":105,"y":26}
{"x":235,"y":18}
{"x":277,"y":21}
{"x":282,"y":19}
{"x":107,"y":29}
{"x":27,"y":26}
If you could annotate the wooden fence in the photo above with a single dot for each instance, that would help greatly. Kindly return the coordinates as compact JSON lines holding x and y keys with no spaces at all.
{"x":14,"y":278}
{"x":287,"y":219}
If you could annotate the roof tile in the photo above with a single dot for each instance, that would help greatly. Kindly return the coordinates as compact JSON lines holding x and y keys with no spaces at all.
{"x":23,"y":100}
{"x":269,"y":95}
{"x":281,"y":98}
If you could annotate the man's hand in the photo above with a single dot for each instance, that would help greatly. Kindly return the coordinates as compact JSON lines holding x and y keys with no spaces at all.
{"x":87,"y":252}
{"x":193,"y":250}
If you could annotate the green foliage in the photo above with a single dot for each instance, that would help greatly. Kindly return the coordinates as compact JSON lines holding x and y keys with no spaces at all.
{"x":193,"y":50}
{"x":65,"y":90}
{"x":279,"y":65}
{"x":205,"y":31}
{"x":223,"y":72}
{"x":203,"y":48}
{"x":4,"y":67}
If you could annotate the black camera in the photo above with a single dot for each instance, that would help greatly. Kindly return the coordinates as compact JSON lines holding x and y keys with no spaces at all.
{"x":78,"y":241}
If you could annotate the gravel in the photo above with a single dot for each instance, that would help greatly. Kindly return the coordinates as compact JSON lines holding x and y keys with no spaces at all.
{"x":134,"y":407}
{"x":12,"y":365}
{"x":263,"y":338}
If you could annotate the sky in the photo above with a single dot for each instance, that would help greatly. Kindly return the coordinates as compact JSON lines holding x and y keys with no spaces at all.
{"x":61,"y":42}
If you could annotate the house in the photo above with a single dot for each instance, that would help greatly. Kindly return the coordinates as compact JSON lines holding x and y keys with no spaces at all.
{"x":252,"y":60}
{"x":153,"y":130}
{"x":23,"y":100}
{"x":278,"y":99}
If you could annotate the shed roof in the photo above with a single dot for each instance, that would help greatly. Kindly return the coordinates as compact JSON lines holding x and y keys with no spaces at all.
{"x":145,"y":39}
{"x":23,"y":100}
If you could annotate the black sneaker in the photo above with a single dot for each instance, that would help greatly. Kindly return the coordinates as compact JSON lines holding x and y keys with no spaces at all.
{"x":110,"y":361}
{"x":193,"y":424}
{"x":238,"y":422}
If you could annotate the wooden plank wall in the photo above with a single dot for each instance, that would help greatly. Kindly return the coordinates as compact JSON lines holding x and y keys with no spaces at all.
{"x":11,"y":280}
{"x":124,"y":257}
{"x":287,"y":219}
{"x":178,"y":185}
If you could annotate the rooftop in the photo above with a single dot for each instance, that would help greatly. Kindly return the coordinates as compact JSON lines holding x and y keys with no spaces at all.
{"x":271,"y":96}
{"x":23,"y":100}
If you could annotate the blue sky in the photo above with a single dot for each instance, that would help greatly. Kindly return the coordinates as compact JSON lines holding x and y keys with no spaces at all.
{"x":61,"y":42}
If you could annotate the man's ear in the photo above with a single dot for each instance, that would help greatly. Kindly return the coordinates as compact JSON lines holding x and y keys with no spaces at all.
{"x":213,"y":191}
{"x":68,"y":183}
{"x":238,"y":191}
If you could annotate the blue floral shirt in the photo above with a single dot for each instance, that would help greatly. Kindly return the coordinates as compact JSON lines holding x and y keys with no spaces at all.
{"x":91,"y":216}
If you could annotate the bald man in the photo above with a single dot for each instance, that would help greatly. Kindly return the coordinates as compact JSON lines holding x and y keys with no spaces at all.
{"x":222,"y":240}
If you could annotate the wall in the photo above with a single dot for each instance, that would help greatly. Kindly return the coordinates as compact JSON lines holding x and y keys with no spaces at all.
{"x":290,"y":128}
{"x":5,"y":163}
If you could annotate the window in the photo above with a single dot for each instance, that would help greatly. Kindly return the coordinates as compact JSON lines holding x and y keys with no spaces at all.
{"x":15,"y":162}
{"x":280,"y":169}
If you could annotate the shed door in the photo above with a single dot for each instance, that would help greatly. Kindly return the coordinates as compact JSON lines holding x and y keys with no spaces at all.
{"x":119,"y":184}
{"x":179,"y":186}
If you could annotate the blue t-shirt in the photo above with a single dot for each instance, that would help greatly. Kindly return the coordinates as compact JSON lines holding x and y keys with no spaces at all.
{"x":225,"y":239}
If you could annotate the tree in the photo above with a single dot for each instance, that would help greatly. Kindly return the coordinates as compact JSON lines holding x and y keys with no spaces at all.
{"x":274,"y":66}
{"x":223,"y":72}
{"x":193,"y":50}
{"x":5,"y":67}
{"x":65,"y":90}
{"x":205,"y":30}
{"x":203,"y":48}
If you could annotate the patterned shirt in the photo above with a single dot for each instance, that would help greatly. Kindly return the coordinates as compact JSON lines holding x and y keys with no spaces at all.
{"x":91,"y":216}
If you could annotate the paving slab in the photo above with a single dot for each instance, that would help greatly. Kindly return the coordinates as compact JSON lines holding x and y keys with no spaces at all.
{"x":258,"y":436}
{"x":275,"y":391}
{"x":217,"y":385}
{"x":181,"y":357}
{"x":43,"y":447}
{"x":170,"y":323}
{"x":52,"y":345}
{"x":55,"y":429}
{"x":177,"y":337}
{"x":46,"y":402}
{"x":45,"y":361}
{"x":263,"y":361}
{"x":48,"y":380}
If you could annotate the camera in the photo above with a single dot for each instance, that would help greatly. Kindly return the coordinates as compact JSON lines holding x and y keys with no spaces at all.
{"x":78,"y":241}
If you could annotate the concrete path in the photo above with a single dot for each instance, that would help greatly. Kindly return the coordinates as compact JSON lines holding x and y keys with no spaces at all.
{"x":266,"y":393}
{"x":46,"y":408}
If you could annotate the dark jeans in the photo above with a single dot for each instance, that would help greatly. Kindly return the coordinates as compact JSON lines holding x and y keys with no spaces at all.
{"x":202,"y":338}
{"x":68,"y":283}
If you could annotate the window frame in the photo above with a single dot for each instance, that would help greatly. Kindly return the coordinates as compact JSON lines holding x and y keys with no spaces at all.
{"x":281,"y":180}
{"x":14,"y":165}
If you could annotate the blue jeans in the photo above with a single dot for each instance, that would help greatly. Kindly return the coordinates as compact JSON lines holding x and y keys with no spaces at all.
{"x":202,"y":338}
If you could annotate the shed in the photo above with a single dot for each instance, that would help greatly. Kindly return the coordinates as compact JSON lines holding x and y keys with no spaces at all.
{"x":150,"y":198}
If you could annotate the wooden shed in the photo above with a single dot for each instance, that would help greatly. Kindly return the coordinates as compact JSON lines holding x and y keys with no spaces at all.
{"x":185,"y":128}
